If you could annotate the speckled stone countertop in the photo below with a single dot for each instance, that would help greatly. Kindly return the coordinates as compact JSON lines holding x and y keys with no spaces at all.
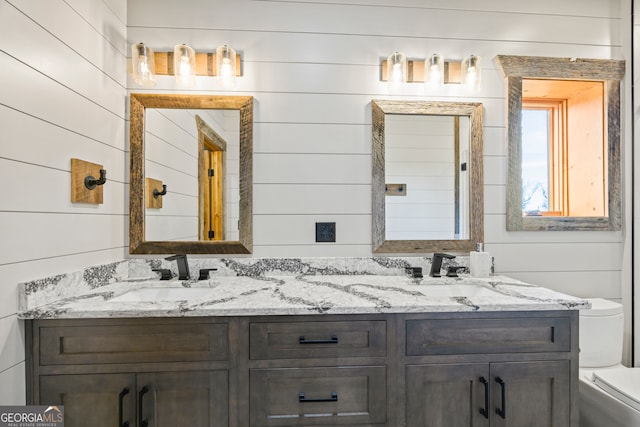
{"x":290,"y":294}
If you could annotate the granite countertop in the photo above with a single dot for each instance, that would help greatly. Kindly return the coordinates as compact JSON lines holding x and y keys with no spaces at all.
{"x":295,"y":295}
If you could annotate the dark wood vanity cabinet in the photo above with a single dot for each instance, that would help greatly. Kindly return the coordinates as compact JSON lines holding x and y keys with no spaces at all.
{"x":395,"y":370}
{"x":318,"y":373}
{"x":491,"y":371}
{"x":133,"y":372}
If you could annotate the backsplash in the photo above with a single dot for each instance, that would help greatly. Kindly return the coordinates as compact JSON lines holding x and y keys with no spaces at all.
{"x":41,"y":291}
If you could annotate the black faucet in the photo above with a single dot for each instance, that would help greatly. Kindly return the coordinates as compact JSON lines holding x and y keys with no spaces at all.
{"x":436,"y":263}
{"x":183,"y":266}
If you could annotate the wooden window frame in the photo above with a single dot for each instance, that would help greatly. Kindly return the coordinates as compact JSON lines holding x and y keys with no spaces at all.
{"x":557,"y":151}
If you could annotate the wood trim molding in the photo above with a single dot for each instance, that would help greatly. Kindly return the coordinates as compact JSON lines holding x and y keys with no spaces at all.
{"x":517,"y":68}
{"x":137,"y":242}
{"x":476,"y":161}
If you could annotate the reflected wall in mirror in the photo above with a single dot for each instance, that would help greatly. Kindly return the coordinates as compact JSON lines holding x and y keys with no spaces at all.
{"x":427,"y":176}
{"x":564,"y":143}
{"x":201,"y":148}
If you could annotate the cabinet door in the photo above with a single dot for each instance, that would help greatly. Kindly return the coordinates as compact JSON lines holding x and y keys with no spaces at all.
{"x":187,"y":398}
{"x":91,"y":400}
{"x":532,"y":394}
{"x":446,"y":395}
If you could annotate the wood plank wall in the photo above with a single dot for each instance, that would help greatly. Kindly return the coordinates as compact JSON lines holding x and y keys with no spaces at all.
{"x":63,"y":95}
{"x":313,"y":68}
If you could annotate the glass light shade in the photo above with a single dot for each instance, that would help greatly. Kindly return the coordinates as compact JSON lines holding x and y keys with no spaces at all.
{"x":470,"y":72}
{"x":226,"y":66}
{"x":143,"y":65}
{"x":184,"y":65}
{"x":434,"y":71}
{"x":396,"y":70}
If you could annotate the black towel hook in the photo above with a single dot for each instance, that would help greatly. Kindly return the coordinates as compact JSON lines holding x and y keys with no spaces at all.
{"x":91,"y":183}
{"x":157,"y":193}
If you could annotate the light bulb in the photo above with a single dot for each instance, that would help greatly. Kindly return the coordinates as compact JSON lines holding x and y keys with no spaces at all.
{"x":471,"y":72}
{"x":396,"y":71}
{"x":184,"y":65}
{"x":434,"y":71}
{"x":143,"y":65}
{"x":226,"y":66}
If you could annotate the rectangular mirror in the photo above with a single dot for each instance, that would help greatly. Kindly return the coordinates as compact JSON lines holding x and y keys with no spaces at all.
{"x":200,"y":147}
{"x":564,"y":143}
{"x":427,"y":176}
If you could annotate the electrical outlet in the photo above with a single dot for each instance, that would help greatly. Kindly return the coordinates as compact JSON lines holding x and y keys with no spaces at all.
{"x":325,"y":231}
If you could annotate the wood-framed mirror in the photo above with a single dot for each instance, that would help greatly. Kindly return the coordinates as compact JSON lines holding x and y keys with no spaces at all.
{"x":202,"y":147}
{"x":564,"y":148}
{"x":427,"y":176}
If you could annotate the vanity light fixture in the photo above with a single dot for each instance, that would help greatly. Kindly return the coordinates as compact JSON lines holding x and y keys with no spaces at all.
{"x":143,"y":65}
{"x":184,"y":63}
{"x":396,"y":70}
{"x":433,"y":71}
{"x":226,"y":65}
{"x":470,"y":72}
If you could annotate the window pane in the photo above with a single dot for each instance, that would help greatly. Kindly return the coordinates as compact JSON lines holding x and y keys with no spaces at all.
{"x":535,"y":160}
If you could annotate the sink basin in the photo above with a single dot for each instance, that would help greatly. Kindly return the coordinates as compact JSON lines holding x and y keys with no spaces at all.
{"x":457,"y":291}
{"x":162,"y":294}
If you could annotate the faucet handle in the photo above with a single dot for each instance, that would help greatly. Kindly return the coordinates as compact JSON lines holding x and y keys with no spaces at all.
{"x":415,"y":272}
{"x":204,"y":273}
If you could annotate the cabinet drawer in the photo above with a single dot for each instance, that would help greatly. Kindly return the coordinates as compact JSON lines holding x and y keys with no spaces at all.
{"x":318,"y":396}
{"x":62,"y":345}
{"x":301,"y":340}
{"x":475,"y":335}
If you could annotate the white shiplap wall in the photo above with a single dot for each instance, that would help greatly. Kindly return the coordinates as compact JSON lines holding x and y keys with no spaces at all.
{"x":313,"y":68}
{"x":171,"y":153}
{"x":420,"y":155}
{"x":63,"y":73}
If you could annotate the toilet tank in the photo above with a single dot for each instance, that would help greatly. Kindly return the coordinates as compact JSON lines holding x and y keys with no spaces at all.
{"x":601,"y":329}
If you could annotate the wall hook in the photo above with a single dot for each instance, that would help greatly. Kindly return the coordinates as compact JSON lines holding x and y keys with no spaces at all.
{"x":90,"y":182}
{"x":157,"y":193}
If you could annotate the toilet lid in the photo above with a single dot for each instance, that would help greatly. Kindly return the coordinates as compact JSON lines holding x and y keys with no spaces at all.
{"x":622,"y":383}
{"x":601,"y":307}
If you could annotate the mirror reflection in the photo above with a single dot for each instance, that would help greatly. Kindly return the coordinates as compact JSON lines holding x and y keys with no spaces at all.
{"x":191,"y":174}
{"x":563,"y":152}
{"x":427,"y":176}
{"x":195,"y":153}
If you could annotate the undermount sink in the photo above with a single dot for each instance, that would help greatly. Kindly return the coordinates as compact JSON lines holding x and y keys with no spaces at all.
{"x":162,"y":294}
{"x":457,"y":290}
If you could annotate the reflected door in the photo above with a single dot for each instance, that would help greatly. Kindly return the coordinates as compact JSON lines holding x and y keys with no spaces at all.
{"x":213,"y":194}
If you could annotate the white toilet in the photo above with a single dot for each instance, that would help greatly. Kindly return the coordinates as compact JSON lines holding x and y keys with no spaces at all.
{"x":609,"y":392}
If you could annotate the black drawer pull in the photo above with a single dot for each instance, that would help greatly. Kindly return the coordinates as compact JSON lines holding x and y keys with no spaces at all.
{"x":501,"y":411}
{"x":485,"y":411}
{"x":333,"y":340}
{"x":121,"y":396}
{"x":333,"y":398}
